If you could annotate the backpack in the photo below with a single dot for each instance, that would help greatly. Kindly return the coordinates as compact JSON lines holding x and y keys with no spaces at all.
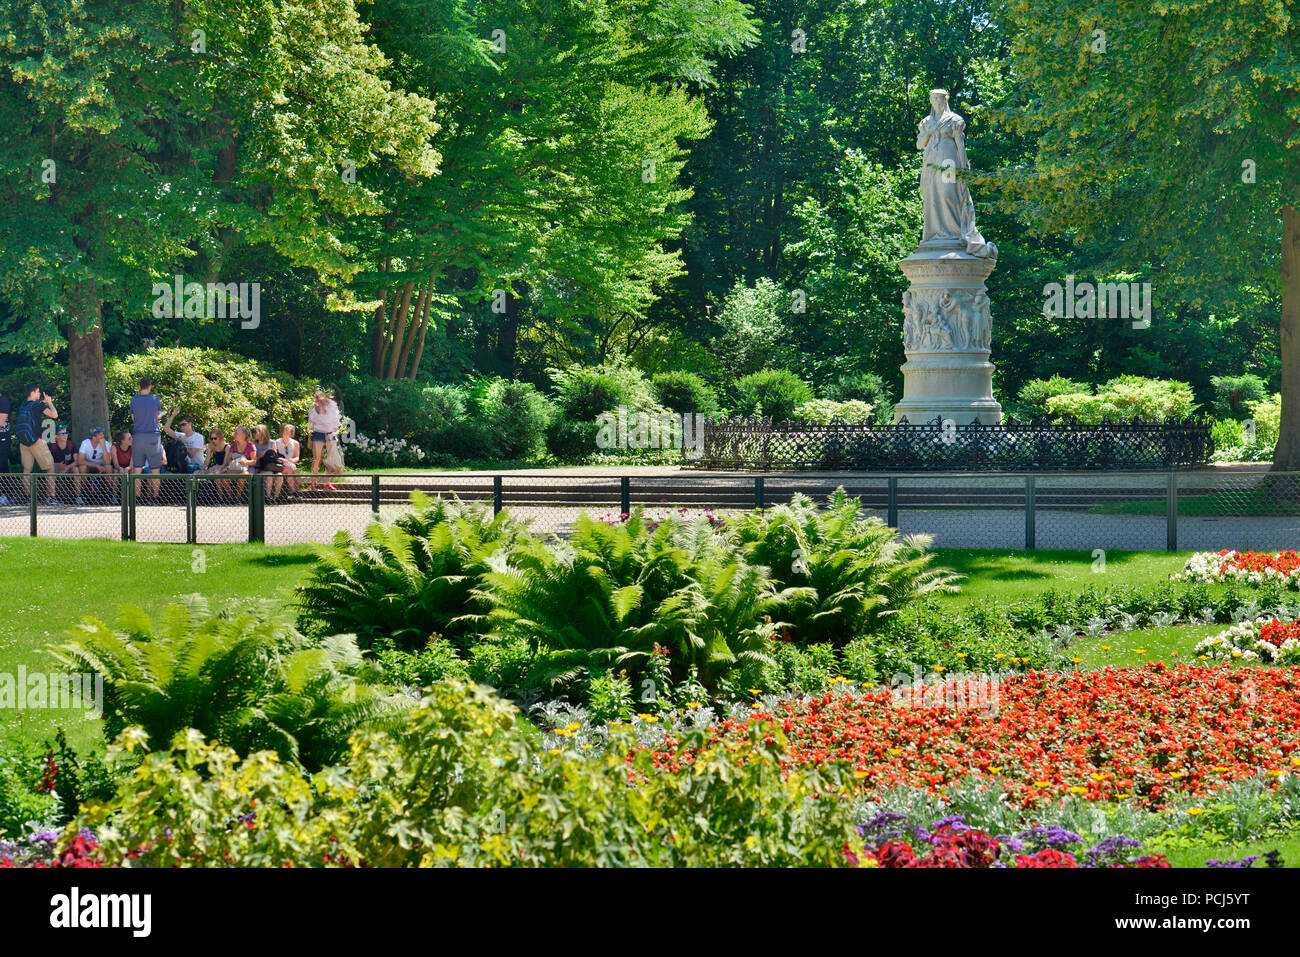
{"x":270,"y":461}
{"x":27,"y":427}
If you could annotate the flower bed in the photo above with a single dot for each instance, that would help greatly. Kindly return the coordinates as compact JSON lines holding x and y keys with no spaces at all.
{"x":1139,"y":734}
{"x":951,"y":843}
{"x":1251,"y":567}
{"x":1265,"y":639}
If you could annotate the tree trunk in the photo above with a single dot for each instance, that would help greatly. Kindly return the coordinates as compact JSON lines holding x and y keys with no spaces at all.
{"x":86,"y":363}
{"x":1287,"y":455}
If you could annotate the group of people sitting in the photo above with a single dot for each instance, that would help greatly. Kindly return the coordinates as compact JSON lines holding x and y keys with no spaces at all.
{"x":141,"y":450}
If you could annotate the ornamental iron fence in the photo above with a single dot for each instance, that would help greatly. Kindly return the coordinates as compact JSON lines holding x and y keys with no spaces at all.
{"x":943,"y":445}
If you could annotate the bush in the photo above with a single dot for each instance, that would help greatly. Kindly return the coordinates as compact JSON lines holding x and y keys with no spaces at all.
{"x":214,"y":388}
{"x":585,"y":392}
{"x":606,"y":598}
{"x":1267,"y":416}
{"x":436,"y":661}
{"x":1036,"y":392}
{"x":826,"y":412}
{"x":1125,"y":398}
{"x":432,"y":418}
{"x":25,"y":802}
{"x":1233,"y":394}
{"x":462,"y":783}
{"x":247,"y":680}
{"x":865,"y":387}
{"x":845,"y":574}
{"x":755,"y":331}
{"x":515,"y":416}
{"x":772,"y":394}
{"x":684,"y":393}
{"x":409,"y":576}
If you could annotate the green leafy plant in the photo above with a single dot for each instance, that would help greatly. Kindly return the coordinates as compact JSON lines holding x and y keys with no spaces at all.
{"x":409,"y":576}
{"x":245,"y":679}
{"x":684,"y":392}
{"x":772,"y":394}
{"x":846,"y":573}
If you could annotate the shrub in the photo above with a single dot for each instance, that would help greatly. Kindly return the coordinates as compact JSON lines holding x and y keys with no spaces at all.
{"x":609,"y":697}
{"x":865,"y":387}
{"x":845,"y":574}
{"x":684,"y":393}
{"x":1267,"y":416}
{"x":434,"y":418}
{"x":772,"y":394}
{"x":1233,"y":394}
{"x":1036,"y":392}
{"x":585,"y":392}
{"x":515,"y":415}
{"x":755,"y":329}
{"x":826,"y":412}
{"x":25,"y":800}
{"x":609,"y":595}
{"x":436,"y":661}
{"x":248,"y":680}
{"x":462,"y":784}
{"x":1126,"y":398}
{"x":409,"y":576}
{"x":212,"y":387}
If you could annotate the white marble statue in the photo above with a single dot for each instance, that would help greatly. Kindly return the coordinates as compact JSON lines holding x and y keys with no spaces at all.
{"x":945,"y":197}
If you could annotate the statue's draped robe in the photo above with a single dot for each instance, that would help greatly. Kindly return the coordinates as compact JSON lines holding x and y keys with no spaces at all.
{"x":949,"y":210}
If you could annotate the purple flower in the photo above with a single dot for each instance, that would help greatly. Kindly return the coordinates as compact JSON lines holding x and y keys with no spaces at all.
{"x":1110,"y":850}
{"x":1055,"y":837}
{"x":1247,"y":861}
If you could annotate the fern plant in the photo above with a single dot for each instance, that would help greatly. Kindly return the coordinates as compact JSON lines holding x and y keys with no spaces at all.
{"x":408,"y":577}
{"x":247,"y":680}
{"x":605,"y":598}
{"x":847,"y":573}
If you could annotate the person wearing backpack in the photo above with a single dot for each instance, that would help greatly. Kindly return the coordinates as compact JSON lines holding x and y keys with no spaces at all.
{"x":28,"y":426}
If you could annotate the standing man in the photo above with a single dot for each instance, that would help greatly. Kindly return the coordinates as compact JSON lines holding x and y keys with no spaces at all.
{"x":4,"y":446}
{"x":146,"y":441}
{"x":28,"y":426}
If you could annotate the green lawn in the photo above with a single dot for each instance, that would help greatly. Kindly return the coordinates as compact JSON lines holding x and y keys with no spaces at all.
{"x":1257,"y":502}
{"x":51,"y":585}
{"x":1005,"y":576}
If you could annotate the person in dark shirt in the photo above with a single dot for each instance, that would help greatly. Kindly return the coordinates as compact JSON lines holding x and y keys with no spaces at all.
{"x":5,"y":434}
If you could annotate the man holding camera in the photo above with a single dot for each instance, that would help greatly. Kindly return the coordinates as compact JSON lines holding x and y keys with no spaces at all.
{"x":28,"y":428}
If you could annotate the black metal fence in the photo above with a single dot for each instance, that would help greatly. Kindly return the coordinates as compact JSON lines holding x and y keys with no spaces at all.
{"x":1085,"y":510}
{"x":946,"y":446}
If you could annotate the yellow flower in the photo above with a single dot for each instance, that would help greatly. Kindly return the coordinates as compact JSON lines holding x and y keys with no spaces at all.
{"x":1120,"y":797}
{"x":895,"y":751}
{"x":1105,"y":647}
{"x":574,"y":726}
{"x":556,"y":750}
{"x":1078,"y":790}
{"x":859,"y":774}
{"x":940,"y":668}
{"x":998,"y":657}
{"x":1076,"y":660}
{"x":692,"y":704}
{"x":1203,"y":657}
{"x":961,"y":654}
{"x":993,"y":770}
{"x":1177,"y":774}
{"x":1042,"y":784}
{"x":648,"y":718}
{"x":586,"y":747}
{"x":1139,"y":651}
{"x":1221,"y":768}
{"x":1196,"y":810}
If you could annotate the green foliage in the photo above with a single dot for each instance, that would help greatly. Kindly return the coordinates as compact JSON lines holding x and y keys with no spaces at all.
{"x":846,"y":574}
{"x":609,"y":697}
{"x":1233,"y":394}
{"x":585,"y":392}
{"x":755,"y":329}
{"x":826,"y":412}
{"x":800,"y":671}
{"x":462,"y":783}
{"x":435,"y":418}
{"x":515,"y":416}
{"x":1124,"y":398}
{"x":409,"y":576}
{"x":22,"y":801}
{"x":246,"y":679}
{"x":436,"y":661}
{"x":773,"y":394}
{"x":1032,"y":401}
{"x":214,"y":388}
{"x":684,"y":393}
{"x":1267,"y":416}
{"x":865,"y":387}
{"x":605,"y":598}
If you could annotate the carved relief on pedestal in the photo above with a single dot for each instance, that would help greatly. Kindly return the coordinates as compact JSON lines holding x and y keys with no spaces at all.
{"x":941,"y":320}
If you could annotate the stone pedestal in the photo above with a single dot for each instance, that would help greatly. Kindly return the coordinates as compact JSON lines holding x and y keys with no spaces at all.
{"x":947,"y":329}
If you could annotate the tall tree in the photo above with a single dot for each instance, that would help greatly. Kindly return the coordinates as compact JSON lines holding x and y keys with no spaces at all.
{"x":1171,"y":129}
{"x":148,"y":135}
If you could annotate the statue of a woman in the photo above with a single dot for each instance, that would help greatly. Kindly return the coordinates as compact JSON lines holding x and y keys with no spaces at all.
{"x":945,"y":197}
